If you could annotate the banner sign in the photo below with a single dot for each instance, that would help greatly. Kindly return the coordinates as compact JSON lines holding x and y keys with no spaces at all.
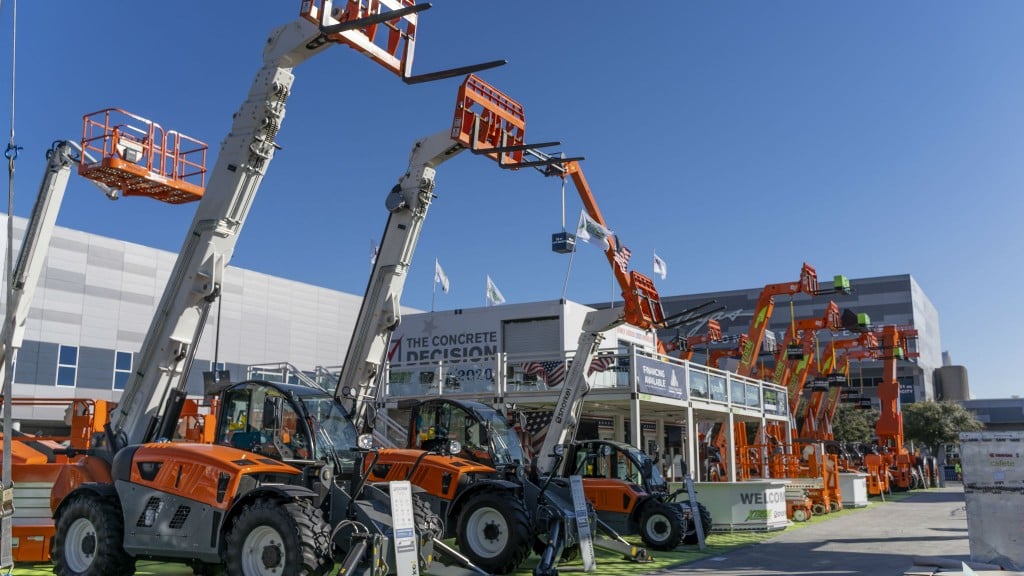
{"x":660,"y":378}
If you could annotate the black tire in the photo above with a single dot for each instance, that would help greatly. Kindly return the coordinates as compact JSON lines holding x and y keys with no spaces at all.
{"x":281,"y":538}
{"x":494,"y":532}
{"x":662,"y":525}
{"x":428,"y":527}
{"x":89,"y":539}
{"x":706,"y":522}
{"x":428,"y":524}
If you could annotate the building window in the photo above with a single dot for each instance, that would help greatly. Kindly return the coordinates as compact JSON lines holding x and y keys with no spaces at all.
{"x":122,"y":369}
{"x":67,"y":366}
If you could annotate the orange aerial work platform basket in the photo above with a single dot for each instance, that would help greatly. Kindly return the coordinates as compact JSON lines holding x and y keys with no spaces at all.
{"x":129,"y":153}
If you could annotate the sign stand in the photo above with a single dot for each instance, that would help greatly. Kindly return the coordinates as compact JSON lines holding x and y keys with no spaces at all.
{"x":695,"y":511}
{"x":579,"y":502}
{"x":404,"y":521}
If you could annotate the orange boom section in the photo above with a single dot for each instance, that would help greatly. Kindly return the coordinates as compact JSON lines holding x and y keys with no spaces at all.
{"x":140,"y":158}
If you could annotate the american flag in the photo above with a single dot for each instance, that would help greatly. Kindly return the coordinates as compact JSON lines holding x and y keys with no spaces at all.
{"x":552,"y":372}
{"x":622,"y":255}
{"x":600,"y":364}
{"x":536,"y":428}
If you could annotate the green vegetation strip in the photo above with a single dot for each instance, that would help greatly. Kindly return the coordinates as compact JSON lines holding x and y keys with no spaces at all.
{"x":609,"y":564}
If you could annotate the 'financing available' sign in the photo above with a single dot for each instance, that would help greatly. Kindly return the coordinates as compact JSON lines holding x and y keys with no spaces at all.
{"x":660,"y":378}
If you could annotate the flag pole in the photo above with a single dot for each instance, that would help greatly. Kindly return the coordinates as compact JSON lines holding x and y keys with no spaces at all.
{"x":433,"y":291}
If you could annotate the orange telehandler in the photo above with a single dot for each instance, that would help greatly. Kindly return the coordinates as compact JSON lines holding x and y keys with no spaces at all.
{"x":225,"y":507}
{"x":621,"y":506}
{"x":162,"y":164}
{"x":486,"y":513}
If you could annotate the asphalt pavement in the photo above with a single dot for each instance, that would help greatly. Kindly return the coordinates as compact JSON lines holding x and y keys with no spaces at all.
{"x":882,"y":539}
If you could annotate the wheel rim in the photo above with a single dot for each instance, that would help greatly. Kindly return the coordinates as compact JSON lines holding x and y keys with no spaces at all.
{"x":658,"y":528}
{"x":80,"y":549}
{"x":263,"y":552}
{"x":487,"y":532}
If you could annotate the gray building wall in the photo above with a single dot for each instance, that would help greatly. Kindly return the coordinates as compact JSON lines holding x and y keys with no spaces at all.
{"x":894,"y":299}
{"x":100,"y":294}
{"x":998,"y":413}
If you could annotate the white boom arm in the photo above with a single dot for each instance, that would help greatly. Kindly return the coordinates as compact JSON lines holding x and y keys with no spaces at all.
{"x":34,"y":244}
{"x":569,"y":406}
{"x":23,"y":282}
{"x":195,"y":281}
{"x":380,"y":313}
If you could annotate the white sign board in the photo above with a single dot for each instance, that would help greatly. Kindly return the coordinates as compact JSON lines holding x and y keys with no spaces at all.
{"x":579,"y":503}
{"x":758,"y":505}
{"x":404,"y":524}
{"x":992,"y":465}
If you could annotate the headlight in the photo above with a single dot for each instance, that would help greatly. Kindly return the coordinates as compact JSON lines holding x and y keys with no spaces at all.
{"x":454,"y":447}
{"x":325,"y":475}
{"x":365,"y":441}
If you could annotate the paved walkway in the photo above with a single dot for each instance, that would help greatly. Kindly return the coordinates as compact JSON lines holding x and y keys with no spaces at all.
{"x":881,"y":540}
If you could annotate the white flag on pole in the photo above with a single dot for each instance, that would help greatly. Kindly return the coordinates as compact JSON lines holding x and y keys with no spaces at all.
{"x":374,"y":250}
{"x":660,"y":268}
{"x":440,"y":277}
{"x":494,"y":296}
{"x":590,"y":230}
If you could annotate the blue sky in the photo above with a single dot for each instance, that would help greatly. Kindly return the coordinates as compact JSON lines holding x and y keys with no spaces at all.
{"x":738,"y":139}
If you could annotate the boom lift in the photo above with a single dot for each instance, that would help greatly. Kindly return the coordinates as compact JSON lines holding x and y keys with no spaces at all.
{"x":214,"y":505}
{"x":750,"y":346}
{"x":34,"y":469}
{"x":486,"y":514}
{"x":686,"y":346}
{"x":792,"y":376}
{"x":889,"y":428}
{"x":828,"y":383}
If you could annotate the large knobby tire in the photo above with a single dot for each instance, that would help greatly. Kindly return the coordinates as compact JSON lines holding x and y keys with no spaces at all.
{"x":428,"y":527}
{"x":276,"y":538}
{"x":428,"y":524}
{"x":662,"y":525}
{"x":494,"y":532}
{"x":706,"y":522}
{"x":89,"y":539}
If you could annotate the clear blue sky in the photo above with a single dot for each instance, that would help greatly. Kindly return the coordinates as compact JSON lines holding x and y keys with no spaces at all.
{"x":738,"y":139}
